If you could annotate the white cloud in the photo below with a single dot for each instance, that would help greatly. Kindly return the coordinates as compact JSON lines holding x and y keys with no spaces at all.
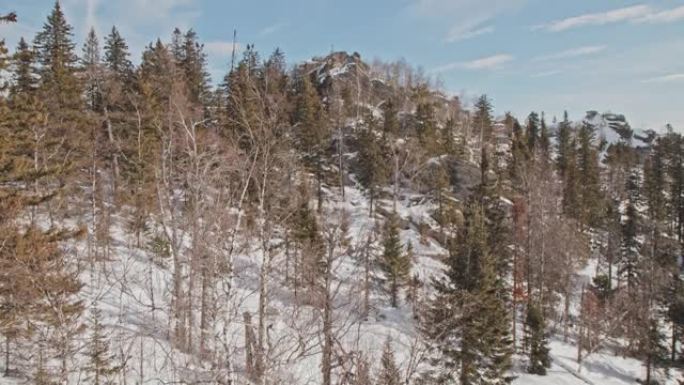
{"x":546,"y":74}
{"x":666,"y":78}
{"x":271,"y":29}
{"x":667,"y":16}
{"x":572,"y":53}
{"x":459,"y":33}
{"x":637,"y":14}
{"x":601,"y":18}
{"x":485,"y":63}
{"x":221,"y":48}
{"x":462,"y":9}
{"x":467,"y":18}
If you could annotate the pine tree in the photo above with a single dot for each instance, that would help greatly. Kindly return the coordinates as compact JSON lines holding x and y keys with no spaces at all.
{"x":544,"y":139}
{"x":312,"y":134}
{"x":373,"y":170}
{"x":590,"y":197}
{"x":448,"y":142}
{"x":391,"y":119}
{"x":276,"y":74}
{"x":58,"y":63}
{"x":24,"y":79}
{"x":482,"y":119}
{"x":675,"y":172}
{"x":675,"y":313}
{"x":497,"y":222}
{"x":100,"y":367}
{"x":533,"y":140}
{"x":654,"y":185}
{"x":176,"y":47}
{"x":563,"y":143}
{"x":30,"y":251}
{"x":307,"y":237}
{"x":537,"y":341}
{"x":630,"y":254}
{"x":117,"y":59}
{"x":571,"y":195}
{"x":468,"y":323}
{"x":193,"y":63}
{"x":654,"y":350}
{"x":92,"y":69}
{"x":426,"y":125}
{"x":389,"y":372}
{"x":394,"y":262}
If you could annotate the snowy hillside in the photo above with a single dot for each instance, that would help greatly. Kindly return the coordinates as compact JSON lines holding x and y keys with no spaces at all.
{"x":132,"y":290}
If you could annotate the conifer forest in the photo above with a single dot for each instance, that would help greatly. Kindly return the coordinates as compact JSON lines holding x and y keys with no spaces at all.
{"x":335,"y":221}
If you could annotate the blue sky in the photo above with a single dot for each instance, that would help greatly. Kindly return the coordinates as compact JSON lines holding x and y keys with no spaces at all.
{"x":544,"y":55}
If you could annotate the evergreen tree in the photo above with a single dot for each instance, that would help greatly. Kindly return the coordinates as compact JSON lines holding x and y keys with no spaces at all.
{"x":389,"y":372}
{"x":675,"y":172}
{"x":520,"y":156}
{"x":394,"y":262}
{"x":177,"y":47}
{"x":117,"y":60}
{"x":563,"y":145}
{"x":193,"y":64}
{"x":654,"y":185}
{"x":467,"y":322}
{"x":630,"y":263}
{"x":482,"y":119}
{"x":100,"y":367}
{"x":571,"y":195}
{"x":275,"y":70}
{"x":448,"y":137}
{"x":391,"y":119}
{"x":24,"y":79}
{"x":537,"y":341}
{"x":675,"y":313}
{"x":590,"y":197}
{"x":373,"y":170}
{"x":497,"y":223}
{"x":92,"y":69}
{"x":58,"y":63}
{"x":241,"y":90}
{"x":544,"y":139}
{"x":312,"y":134}
{"x":533,"y":131}
{"x":426,"y":125}
{"x":30,"y":251}
{"x":654,"y":350}
{"x":307,"y":237}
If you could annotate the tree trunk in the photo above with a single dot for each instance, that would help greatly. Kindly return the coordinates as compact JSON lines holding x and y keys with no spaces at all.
{"x":326,"y":364}
{"x":340,"y":144}
{"x":673,"y":353}
{"x":319,"y":182}
{"x":366,"y":279}
{"x":249,"y":345}
{"x":7,"y":356}
{"x":566,"y":314}
{"x":394,"y":289}
{"x":205,"y":308}
{"x":263,"y":303}
{"x":514,"y":298}
{"x":115,"y":152}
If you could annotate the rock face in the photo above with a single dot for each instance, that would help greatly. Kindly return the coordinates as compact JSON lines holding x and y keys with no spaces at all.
{"x":609,"y":126}
{"x":338,"y":66}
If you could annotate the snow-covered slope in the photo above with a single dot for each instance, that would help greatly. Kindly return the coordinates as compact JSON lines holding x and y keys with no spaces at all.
{"x":132,"y":290}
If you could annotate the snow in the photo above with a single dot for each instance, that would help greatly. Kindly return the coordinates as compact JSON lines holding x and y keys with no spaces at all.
{"x":133,"y":292}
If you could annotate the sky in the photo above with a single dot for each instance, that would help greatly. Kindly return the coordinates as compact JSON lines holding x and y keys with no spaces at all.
{"x":542,"y":55}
